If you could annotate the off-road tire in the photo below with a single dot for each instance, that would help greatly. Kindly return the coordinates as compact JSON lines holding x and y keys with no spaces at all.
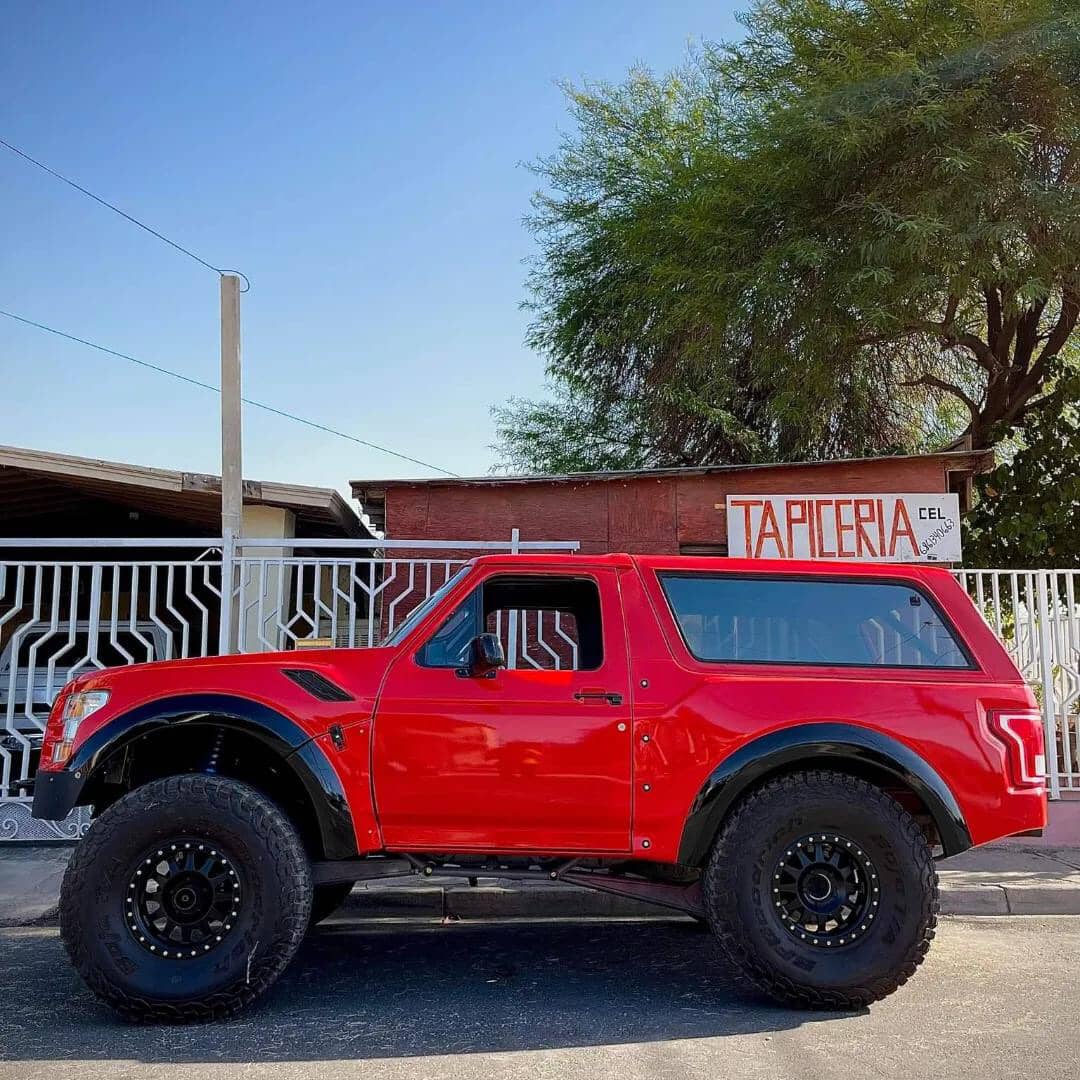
{"x":327,"y":899}
{"x":273,"y":914}
{"x":741,"y":906}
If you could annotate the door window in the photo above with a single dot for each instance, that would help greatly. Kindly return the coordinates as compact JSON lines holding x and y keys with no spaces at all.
{"x":545,"y":623}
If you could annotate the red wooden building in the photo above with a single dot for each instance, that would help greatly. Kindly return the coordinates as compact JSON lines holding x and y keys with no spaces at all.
{"x":666,"y":511}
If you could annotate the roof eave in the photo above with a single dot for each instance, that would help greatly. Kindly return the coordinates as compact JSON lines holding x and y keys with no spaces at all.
{"x":977,"y":461}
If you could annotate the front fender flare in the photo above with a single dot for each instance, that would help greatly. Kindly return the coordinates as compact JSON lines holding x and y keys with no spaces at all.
{"x":57,"y":793}
{"x":816,"y":745}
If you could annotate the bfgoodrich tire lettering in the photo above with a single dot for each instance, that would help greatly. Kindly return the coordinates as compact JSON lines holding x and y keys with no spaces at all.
{"x":272,"y":915}
{"x":763,"y":948}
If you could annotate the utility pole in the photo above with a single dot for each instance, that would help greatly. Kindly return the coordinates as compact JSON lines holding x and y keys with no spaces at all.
{"x":232,"y":494}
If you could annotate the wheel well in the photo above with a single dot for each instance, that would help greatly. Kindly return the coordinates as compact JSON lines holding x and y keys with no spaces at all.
{"x":877,"y":775}
{"x":207,"y":748}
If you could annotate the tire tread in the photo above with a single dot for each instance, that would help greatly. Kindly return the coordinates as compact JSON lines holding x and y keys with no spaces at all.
{"x":225,"y":796}
{"x":749,"y":964}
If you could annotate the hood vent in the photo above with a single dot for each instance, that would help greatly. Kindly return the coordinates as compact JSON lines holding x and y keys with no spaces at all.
{"x":318,"y":686}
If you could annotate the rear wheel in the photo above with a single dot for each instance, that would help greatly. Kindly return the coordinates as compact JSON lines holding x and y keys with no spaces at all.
{"x":186,"y":899}
{"x":822,"y":892}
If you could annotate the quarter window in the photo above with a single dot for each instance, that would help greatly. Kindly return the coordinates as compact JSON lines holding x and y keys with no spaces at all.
{"x":799,"y":621}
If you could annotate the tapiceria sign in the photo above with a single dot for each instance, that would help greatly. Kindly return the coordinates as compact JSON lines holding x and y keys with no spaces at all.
{"x":872,"y":528}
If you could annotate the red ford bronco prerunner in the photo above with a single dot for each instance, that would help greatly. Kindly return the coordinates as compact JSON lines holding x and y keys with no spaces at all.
{"x":778,"y":749}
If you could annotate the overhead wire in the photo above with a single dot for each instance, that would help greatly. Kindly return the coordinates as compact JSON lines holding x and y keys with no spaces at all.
{"x":217,"y":390}
{"x":123,"y":213}
{"x":168,"y":371}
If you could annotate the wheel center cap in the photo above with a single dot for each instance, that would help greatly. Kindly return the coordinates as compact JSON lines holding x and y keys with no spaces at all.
{"x":818,"y":887}
{"x":185,"y":899}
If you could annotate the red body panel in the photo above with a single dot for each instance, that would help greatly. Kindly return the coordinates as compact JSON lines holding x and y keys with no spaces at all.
{"x":433,"y":761}
{"x":508,"y":763}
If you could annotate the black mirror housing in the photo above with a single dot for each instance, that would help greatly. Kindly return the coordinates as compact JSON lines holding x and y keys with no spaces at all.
{"x":485,"y":656}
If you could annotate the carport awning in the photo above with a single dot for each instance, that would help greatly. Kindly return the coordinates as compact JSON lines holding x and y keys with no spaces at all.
{"x":36,"y":483}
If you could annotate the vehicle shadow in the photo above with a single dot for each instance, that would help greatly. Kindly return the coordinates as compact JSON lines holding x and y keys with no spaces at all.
{"x":359,"y":991}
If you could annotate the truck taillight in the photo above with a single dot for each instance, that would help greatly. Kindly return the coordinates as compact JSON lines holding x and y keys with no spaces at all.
{"x":1021,"y":732}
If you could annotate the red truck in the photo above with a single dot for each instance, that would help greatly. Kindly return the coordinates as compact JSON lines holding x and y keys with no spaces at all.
{"x":781,"y":750}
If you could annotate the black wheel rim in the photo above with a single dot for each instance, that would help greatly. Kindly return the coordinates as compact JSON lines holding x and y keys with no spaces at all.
{"x":825,"y":890}
{"x":183,"y":898}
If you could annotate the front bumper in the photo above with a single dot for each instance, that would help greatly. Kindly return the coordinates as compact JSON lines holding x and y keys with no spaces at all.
{"x":56,"y":794}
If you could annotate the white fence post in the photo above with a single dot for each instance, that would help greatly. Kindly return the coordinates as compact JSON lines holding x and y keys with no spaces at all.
{"x":229,"y":597}
{"x":512,"y":618}
{"x":1046,"y":672}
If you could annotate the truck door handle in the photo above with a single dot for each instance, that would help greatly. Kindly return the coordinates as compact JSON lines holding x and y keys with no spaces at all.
{"x":598,"y":695}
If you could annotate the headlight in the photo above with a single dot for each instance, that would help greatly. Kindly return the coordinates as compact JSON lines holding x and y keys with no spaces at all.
{"x":76,"y":709}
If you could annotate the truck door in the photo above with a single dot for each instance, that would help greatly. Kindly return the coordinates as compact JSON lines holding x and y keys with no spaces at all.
{"x":535,"y":756}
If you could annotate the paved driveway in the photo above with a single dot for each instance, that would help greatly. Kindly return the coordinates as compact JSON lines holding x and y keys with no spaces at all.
{"x":999,"y":997}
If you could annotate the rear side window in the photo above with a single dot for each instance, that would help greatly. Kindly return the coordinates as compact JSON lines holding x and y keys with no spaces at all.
{"x":799,"y":621}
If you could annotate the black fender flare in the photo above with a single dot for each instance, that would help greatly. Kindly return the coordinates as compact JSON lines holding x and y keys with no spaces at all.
{"x":57,"y":793}
{"x":818,"y":745}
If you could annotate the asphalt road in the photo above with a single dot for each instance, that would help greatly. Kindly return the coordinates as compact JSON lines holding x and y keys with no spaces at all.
{"x":999,"y":997}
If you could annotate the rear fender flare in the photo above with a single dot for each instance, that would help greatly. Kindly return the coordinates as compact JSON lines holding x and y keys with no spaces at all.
{"x":816,"y":746}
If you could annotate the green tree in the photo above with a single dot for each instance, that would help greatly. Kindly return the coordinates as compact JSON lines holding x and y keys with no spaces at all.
{"x":1028,"y":513}
{"x":857,"y":230}
{"x":570,"y":432}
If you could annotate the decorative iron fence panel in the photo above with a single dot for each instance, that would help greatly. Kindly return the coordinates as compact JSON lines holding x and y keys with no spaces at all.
{"x":61,"y":618}
{"x":291,"y":602}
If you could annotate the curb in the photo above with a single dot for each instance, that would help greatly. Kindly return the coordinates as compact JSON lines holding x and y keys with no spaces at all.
{"x":1010,"y":900}
{"x":34,"y":901}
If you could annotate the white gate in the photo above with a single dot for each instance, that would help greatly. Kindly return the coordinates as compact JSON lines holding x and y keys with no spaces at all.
{"x":1037,"y":616}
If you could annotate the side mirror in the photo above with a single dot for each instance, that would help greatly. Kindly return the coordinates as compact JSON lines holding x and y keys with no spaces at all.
{"x":485,"y":655}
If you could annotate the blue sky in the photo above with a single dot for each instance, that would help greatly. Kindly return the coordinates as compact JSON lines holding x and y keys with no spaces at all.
{"x":360,"y":162}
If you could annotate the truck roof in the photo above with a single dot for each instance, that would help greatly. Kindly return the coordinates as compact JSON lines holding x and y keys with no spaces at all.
{"x":802,"y":567}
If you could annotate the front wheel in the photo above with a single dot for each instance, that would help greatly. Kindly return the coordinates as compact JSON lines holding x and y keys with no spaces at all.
{"x":186,"y":899}
{"x":822,"y":892}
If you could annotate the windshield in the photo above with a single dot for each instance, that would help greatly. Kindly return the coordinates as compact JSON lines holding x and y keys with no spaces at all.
{"x":404,"y":628}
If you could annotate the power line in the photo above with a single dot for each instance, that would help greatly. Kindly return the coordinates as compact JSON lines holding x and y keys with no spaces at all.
{"x":217,"y":390}
{"x":116,"y":210}
{"x":167,"y":371}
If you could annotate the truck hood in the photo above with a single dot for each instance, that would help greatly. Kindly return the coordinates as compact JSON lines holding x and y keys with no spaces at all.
{"x":256,"y":677}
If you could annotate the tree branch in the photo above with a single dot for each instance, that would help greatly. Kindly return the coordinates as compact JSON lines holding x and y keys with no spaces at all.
{"x":949,"y":388}
{"x":1004,"y":340}
{"x":1046,"y":401}
{"x":983,"y":353}
{"x":986,"y":356}
{"x":1027,"y":337}
{"x":1066,"y":324}
{"x":993,"y":313}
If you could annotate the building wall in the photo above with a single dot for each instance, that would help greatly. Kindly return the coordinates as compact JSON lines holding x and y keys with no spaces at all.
{"x":663,"y":514}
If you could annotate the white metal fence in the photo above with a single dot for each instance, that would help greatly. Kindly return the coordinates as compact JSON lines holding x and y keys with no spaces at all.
{"x":63,"y":616}
{"x":1036,"y":613}
{"x":60,"y":617}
